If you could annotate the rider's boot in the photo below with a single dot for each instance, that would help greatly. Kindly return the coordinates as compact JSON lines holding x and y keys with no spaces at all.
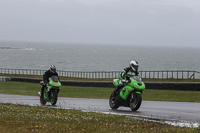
{"x":39,"y":94}
{"x":42,"y":91}
{"x":116,"y":90}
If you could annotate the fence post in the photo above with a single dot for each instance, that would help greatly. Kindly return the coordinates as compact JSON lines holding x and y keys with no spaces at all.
{"x":177,"y":74}
{"x":153,"y":74}
{"x":182,"y":74}
{"x":149,"y":74}
{"x":167,"y":74}
{"x":194,"y":75}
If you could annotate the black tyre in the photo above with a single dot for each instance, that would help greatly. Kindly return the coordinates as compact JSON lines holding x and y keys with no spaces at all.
{"x":135,"y":104}
{"x":112,"y":101}
{"x":53,"y":97}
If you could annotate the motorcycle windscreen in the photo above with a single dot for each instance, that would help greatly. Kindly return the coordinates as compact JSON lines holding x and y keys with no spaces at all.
{"x":138,"y":79}
{"x":54,"y":78}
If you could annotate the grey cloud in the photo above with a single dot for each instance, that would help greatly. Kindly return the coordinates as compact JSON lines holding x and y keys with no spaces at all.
{"x":144,"y":22}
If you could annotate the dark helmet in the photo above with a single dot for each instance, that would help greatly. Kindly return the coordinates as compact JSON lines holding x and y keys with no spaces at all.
{"x":134,"y":65}
{"x":52,"y":68}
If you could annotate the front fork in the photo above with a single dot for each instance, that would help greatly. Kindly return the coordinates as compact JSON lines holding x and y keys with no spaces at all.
{"x":55,"y":92}
{"x":133,"y":95}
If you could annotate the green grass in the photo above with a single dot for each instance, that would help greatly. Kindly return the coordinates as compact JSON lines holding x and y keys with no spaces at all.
{"x":172,"y":95}
{"x":43,"y":119}
{"x":20,"y":118}
{"x":22,"y":88}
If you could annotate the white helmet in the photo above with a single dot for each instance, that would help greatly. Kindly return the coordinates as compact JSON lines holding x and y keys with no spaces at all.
{"x":52,"y":68}
{"x":134,"y":65}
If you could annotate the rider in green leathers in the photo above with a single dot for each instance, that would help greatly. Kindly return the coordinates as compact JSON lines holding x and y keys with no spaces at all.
{"x":133,"y":68}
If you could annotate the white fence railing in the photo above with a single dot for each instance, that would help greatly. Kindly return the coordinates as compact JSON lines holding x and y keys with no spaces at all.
{"x":171,"y":74}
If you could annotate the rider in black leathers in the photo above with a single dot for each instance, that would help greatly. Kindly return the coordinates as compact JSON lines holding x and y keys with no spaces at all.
{"x":46,"y":76}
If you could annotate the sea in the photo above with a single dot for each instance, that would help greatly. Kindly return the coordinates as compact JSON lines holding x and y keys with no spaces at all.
{"x":96,"y":57}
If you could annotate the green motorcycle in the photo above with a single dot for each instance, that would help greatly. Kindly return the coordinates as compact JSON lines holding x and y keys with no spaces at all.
{"x":129,"y":93}
{"x":51,"y":91}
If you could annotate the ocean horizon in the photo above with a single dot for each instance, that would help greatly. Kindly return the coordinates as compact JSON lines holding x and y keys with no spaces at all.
{"x":97,"y":57}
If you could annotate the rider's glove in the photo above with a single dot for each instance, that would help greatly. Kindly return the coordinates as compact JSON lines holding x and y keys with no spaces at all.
{"x":126,"y":81}
{"x":45,"y":82}
{"x":123,"y":80}
{"x":136,"y":73}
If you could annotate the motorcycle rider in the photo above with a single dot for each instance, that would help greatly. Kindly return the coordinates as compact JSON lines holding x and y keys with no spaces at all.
{"x":46,"y":76}
{"x":133,"y":68}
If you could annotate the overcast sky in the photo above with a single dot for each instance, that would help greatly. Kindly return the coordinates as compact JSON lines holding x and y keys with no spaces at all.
{"x":135,"y":22}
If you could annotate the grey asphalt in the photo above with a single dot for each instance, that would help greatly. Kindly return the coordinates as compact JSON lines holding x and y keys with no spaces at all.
{"x":153,"y":110}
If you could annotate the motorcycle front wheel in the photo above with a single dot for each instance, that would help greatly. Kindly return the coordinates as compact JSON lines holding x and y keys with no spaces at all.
{"x":53,"y":97}
{"x":112,"y":101}
{"x":135,"y":104}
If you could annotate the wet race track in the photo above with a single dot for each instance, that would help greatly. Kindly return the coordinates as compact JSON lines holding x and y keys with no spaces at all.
{"x":181,"y":113}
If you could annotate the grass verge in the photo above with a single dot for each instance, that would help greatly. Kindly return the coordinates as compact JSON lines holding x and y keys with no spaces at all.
{"x":20,"y":118}
{"x":22,"y":88}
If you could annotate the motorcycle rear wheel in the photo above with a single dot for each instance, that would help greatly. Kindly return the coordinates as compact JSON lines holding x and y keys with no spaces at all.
{"x":112,"y":101}
{"x":42,"y":101}
{"x":135,"y":105}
